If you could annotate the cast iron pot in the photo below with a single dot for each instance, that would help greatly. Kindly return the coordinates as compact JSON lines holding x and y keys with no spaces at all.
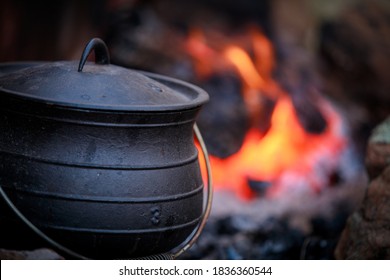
{"x":99,"y":157}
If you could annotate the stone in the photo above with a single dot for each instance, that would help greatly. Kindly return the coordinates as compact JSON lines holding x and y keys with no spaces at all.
{"x":367,"y":233}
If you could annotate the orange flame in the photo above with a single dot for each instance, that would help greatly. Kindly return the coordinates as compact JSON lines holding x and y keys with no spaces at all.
{"x":245,"y":67}
{"x":286,"y":149}
{"x":197,"y":47}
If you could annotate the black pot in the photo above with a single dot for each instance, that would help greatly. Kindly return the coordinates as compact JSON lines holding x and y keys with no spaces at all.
{"x":102,"y":159}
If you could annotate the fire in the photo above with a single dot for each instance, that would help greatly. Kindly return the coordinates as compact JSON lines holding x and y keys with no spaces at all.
{"x":245,"y":67}
{"x":287,"y":156}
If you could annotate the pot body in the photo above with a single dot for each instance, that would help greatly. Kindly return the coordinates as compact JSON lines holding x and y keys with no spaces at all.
{"x":105,"y":184}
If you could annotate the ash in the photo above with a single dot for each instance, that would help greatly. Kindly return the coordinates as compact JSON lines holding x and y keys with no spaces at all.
{"x":293,"y":226}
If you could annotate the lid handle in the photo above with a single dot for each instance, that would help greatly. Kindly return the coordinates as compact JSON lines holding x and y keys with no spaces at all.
{"x":101,"y":53}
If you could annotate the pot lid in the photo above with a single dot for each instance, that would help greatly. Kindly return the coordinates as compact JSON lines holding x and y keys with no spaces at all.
{"x":100,"y":85}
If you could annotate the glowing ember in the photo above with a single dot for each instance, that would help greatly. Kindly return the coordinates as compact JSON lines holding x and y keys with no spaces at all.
{"x":286,"y":156}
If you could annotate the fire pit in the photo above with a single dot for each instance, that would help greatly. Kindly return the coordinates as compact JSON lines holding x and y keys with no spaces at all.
{"x":279,"y":147}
